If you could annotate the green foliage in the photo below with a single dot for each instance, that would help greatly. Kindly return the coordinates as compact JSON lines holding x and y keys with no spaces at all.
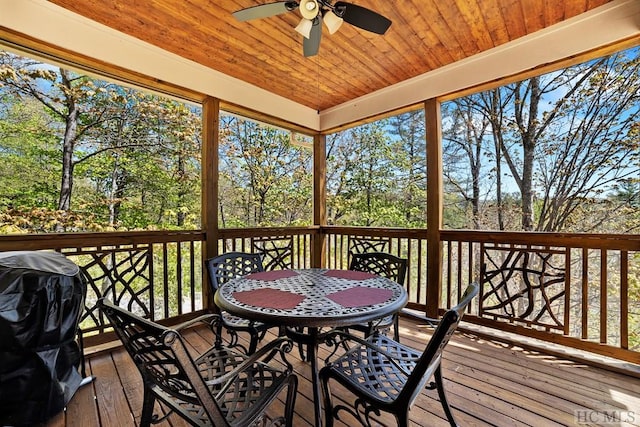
{"x":120,"y":158}
{"x":27,"y":145}
{"x":265,"y":175}
{"x":43,"y":220}
{"x":376,"y":174}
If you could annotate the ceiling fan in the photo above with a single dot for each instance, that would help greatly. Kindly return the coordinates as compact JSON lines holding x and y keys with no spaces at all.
{"x":314,"y":12}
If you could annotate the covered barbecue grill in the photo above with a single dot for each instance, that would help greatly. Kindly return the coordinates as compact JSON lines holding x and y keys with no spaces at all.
{"x":41,"y":298}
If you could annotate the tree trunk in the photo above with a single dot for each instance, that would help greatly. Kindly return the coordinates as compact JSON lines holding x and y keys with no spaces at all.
{"x":494,"y":114}
{"x":528,"y":157}
{"x":475,"y":163}
{"x":113,"y":209}
{"x":68,"y":145}
{"x":181,"y":191}
{"x":118,"y":186}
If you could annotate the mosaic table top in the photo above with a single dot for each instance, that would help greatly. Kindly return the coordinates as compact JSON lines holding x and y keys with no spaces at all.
{"x":312,"y":297}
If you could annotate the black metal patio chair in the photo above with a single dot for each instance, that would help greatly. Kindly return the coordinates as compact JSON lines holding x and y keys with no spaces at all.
{"x":363,"y":244}
{"x":221,"y":387}
{"x":384,"y":265}
{"x":384,"y":375}
{"x":229,"y":266}
{"x":276,"y":251}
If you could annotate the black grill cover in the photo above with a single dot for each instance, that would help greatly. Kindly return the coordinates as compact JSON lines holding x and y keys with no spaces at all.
{"x":41,"y":298}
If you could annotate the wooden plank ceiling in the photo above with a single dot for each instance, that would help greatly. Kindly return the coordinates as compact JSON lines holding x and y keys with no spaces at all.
{"x":425,"y":35}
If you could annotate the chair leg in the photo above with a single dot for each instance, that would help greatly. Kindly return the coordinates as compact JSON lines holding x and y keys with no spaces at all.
{"x":301,"y":345}
{"x":253,"y":342}
{"x":443,"y":397}
{"x":218,"y":337}
{"x":328,"y":404}
{"x":396,"y":328}
{"x":147,"y":408}
{"x":292,"y":391}
{"x":403,"y":419}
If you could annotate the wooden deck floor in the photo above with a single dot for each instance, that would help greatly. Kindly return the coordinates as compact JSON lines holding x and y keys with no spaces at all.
{"x":488,"y":383}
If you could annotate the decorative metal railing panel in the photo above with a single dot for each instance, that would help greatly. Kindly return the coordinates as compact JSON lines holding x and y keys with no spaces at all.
{"x":276,"y":251}
{"x":524,"y":284}
{"x":123,"y":275}
{"x":364,"y":244}
{"x":596,"y":309}
{"x":281,"y":248}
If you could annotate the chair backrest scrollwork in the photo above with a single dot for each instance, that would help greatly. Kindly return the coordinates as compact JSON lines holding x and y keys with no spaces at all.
{"x":228,"y":266}
{"x":277,"y":252}
{"x":381,"y":264}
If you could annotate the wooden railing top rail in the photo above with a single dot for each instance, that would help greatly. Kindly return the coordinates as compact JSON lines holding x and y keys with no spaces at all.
{"x":68,"y":240}
{"x":629,"y":242}
{"x":411,"y":233}
{"x":266,"y":231}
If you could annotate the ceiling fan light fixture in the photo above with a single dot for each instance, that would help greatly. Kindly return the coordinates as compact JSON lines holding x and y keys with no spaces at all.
{"x":332,"y":21}
{"x":304,"y":27}
{"x":313,"y":12}
{"x":309,"y":9}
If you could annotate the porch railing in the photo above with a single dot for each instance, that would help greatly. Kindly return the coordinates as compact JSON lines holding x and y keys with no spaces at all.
{"x":569,"y":289}
{"x":581,"y":294}
{"x":155,"y":274}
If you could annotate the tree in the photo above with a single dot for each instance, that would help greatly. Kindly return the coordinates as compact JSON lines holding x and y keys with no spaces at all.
{"x":265,"y":175}
{"x":27,"y":144}
{"x":592,"y":142}
{"x":464,"y":141}
{"x":61,"y":93}
{"x":76,"y":102}
{"x":147,"y":158}
{"x":108,"y":146}
{"x":411,"y":153}
{"x":566,"y":138}
{"x":363,"y":182}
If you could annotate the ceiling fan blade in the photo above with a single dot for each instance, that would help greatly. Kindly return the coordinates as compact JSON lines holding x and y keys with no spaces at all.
{"x":311,"y":45}
{"x":362,"y":17}
{"x":265,"y":10}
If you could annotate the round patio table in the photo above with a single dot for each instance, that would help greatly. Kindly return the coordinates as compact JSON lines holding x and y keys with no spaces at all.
{"x":313,"y":299}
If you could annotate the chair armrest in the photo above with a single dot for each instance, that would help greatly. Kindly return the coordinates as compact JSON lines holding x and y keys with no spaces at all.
{"x":393,"y":358}
{"x":209,"y":319}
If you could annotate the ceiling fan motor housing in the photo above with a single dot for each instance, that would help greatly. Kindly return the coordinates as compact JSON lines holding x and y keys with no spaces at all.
{"x":309,"y":9}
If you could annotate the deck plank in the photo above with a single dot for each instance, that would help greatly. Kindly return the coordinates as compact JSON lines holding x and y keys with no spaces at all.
{"x":113,"y":407}
{"x":489,"y":383}
{"x":83,"y":409}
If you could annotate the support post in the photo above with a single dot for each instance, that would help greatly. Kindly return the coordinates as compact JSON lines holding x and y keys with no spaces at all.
{"x":318,"y":250}
{"x":209,"y":186}
{"x":434,"y":204}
